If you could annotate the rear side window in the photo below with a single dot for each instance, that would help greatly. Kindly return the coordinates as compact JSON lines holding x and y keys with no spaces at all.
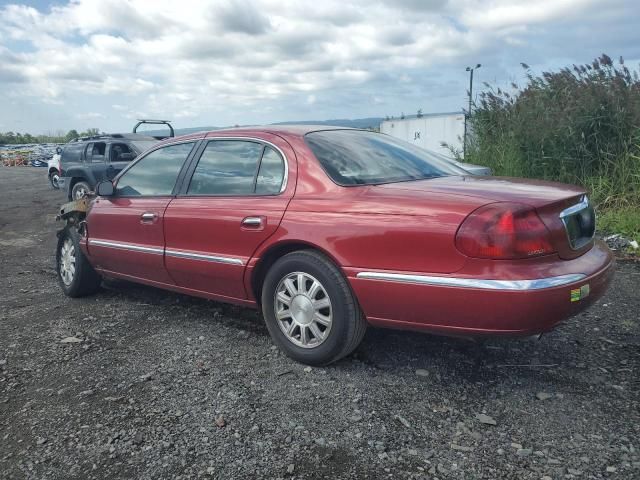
{"x":235,"y":167}
{"x":72,"y":153}
{"x":94,"y":153}
{"x":271,"y":173}
{"x":156,"y":173}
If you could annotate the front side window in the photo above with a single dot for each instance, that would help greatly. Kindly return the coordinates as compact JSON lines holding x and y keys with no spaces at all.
{"x":357,"y":157}
{"x":120,"y":152}
{"x":156,"y":173}
{"x":235,"y":167}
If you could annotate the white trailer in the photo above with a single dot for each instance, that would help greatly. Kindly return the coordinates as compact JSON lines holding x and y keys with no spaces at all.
{"x":429,"y":130}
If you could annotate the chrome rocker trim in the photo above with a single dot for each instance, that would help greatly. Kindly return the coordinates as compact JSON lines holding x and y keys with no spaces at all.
{"x":485,"y":284}
{"x":161,"y":251}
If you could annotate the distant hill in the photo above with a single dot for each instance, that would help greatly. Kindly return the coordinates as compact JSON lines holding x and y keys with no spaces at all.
{"x":341,"y":122}
{"x":179,"y":131}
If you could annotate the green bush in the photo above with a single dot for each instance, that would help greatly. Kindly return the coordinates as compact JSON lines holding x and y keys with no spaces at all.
{"x":579,"y":125}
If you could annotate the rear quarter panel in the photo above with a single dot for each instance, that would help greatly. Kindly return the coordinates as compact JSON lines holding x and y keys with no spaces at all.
{"x":359,"y":231}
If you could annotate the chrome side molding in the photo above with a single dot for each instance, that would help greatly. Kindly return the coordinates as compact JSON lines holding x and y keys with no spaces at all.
{"x":200,"y":256}
{"x":126,"y":246}
{"x":169,"y":252}
{"x":484,"y":284}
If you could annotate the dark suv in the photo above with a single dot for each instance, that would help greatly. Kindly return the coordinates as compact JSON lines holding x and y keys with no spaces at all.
{"x":87,"y":160}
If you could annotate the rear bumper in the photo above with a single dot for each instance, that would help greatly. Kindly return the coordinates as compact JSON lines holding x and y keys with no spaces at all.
{"x":460,"y":305}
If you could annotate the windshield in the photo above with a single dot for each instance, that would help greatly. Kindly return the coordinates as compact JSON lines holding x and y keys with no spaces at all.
{"x":358,"y":157}
{"x":143,"y":145}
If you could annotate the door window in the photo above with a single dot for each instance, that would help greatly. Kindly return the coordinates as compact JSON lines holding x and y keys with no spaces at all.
{"x":271,"y":173}
{"x":234,"y":167}
{"x":156,"y":173}
{"x":94,"y":153}
{"x":120,"y":152}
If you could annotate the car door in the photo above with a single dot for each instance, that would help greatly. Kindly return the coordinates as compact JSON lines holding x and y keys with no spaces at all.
{"x":95,"y":161}
{"x":232,"y":199}
{"x":125,"y":231}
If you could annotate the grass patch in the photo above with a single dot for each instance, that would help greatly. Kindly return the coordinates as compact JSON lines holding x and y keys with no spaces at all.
{"x":624,"y":220}
{"x":579,"y":125}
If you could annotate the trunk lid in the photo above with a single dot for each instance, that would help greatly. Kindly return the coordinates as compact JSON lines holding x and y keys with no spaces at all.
{"x":564,"y":209}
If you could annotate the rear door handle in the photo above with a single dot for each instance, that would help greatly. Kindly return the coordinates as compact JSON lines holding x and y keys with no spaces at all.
{"x":253,"y":222}
{"x":148,"y":217}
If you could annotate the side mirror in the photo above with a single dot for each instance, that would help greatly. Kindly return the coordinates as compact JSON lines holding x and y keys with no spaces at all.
{"x":105,"y":189}
{"x":58,"y":150}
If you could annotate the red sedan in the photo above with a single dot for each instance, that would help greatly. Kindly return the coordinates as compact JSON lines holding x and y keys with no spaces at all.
{"x":329,"y":230}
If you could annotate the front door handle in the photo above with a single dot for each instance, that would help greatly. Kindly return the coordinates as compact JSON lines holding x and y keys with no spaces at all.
{"x":148,"y":217}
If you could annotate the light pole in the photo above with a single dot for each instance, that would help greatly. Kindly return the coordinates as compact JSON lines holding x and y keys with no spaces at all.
{"x":468,"y":115}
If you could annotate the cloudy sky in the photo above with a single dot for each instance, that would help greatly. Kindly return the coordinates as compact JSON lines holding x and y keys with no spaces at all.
{"x":103,"y":63}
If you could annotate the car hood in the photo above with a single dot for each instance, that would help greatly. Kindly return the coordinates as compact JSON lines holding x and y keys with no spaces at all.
{"x":535,"y":193}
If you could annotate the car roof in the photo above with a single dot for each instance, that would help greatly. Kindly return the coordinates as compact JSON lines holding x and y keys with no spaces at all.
{"x":116,"y":137}
{"x":292,"y":130}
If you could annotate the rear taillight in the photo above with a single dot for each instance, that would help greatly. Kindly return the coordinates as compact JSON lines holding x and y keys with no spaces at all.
{"x":503,"y":231}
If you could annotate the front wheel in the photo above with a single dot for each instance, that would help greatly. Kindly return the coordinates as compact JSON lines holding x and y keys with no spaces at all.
{"x":54,"y":178}
{"x":75,"y":275}
{"x":79,"y":190}
{"x":310,"y":310}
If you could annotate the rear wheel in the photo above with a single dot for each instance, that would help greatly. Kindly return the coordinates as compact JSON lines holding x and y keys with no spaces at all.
{"x":75,"y":275}
{"x":54,"y":178}
{"x":79,"y":190}
{"x":310,"y":310}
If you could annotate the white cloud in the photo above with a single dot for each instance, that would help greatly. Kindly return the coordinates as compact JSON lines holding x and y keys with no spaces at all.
{"x":89,"y":116}
{"x":235,"y":61}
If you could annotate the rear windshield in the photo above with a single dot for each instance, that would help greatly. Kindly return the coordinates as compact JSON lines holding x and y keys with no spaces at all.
{"x":357,"y":157}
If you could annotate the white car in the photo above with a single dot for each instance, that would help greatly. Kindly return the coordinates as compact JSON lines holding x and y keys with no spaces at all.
{"x":54,"y":169}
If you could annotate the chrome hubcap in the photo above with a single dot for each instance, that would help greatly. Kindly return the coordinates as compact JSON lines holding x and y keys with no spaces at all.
{"x":67,"y":261}
{"x":303,"y":310}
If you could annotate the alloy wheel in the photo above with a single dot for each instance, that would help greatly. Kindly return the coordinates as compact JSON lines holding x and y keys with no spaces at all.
{"x":303,"y":310}
{"x":67,"y":261}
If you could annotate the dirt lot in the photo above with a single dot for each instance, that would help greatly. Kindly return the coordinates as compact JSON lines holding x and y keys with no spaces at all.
{"x":159,"y":385}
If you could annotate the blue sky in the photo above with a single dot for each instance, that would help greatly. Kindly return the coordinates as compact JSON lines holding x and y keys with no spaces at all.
{"x":103,"y":63}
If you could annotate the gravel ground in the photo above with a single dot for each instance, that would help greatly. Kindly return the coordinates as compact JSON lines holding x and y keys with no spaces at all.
{"x":135,"y":382}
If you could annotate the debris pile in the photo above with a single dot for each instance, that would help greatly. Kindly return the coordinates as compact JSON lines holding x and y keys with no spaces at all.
{"x":620,"y":243}
{"x":35,"y":155}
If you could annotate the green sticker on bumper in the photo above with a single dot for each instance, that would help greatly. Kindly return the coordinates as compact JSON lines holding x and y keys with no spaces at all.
{"x":578,"y":294}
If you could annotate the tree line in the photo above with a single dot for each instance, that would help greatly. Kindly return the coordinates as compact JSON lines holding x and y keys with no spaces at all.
{"x":11,"y":138}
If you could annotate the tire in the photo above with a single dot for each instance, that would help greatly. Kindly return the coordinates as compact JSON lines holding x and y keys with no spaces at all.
{"x":53,"y":178}
{"x":78,"y":190}
{"x":75,"y":275}
{"x":305,"y":310}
